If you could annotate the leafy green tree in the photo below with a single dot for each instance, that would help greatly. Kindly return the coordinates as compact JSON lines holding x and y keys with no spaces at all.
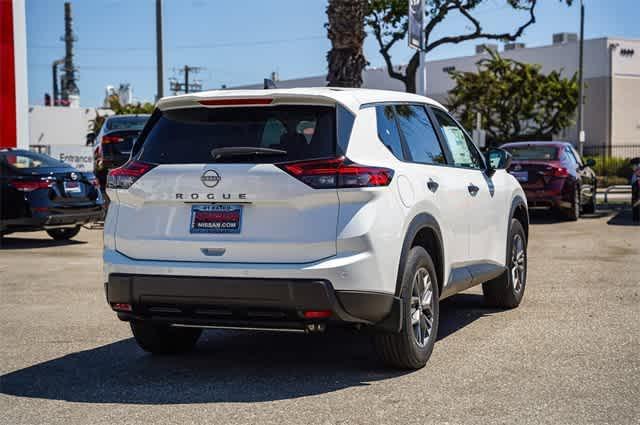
{"x":389,"y":22}
{"x":346,"y":32}
{"x":515,"y":100}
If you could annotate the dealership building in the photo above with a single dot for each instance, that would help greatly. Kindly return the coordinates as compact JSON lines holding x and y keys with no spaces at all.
{"x":611,"y":76}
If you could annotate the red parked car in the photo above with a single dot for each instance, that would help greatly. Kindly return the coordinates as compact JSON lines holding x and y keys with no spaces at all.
{"x":554,"y":176}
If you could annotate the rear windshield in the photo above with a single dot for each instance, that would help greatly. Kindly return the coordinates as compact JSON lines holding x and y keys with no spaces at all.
{"x":187,"y":136}
{"x":533,"y":153}
{"x":126,"y":123}
{"x":29,"y":160}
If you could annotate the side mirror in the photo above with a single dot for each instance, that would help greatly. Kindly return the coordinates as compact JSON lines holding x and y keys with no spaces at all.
{"x":590,"y":162}
{"x":497,"y":159}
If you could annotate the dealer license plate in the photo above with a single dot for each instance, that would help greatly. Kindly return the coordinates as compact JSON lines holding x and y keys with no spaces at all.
{"x":72,"y":187}
{"x":216,"y":218}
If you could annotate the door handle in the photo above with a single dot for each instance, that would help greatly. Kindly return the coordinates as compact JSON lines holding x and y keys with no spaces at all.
{"x":433,"y":185}
{"x":473,"y":189}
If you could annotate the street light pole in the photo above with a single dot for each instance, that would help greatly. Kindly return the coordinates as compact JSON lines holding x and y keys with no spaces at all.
{"x":159,"y":63}
{"x":581,"y":135}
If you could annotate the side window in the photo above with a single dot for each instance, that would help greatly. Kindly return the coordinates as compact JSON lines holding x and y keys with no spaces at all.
{"x":462,"y":149}
{"x":345,"y":120}
{"x":388,"y":130}
{"x":419,"y":134}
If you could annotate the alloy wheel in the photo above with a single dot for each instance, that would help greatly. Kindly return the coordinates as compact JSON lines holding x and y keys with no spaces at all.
{"x":518,"y":263}
{"x":422,"y":307}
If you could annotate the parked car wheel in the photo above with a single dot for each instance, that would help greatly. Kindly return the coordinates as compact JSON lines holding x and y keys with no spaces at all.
{"x":63,"y":234}
{"x":507,"y":290}
{"x":164,"y":339}
{"x":573,"y":213}
{"x":412,"y":347}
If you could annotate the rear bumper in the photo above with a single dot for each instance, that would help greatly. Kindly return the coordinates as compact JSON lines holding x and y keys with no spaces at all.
{"x":242,"y":302}
{"x":546,"y":199}
{"x":54,"y":219}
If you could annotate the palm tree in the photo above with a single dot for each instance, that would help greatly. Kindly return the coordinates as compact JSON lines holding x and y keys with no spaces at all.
{"x":345,"y":29}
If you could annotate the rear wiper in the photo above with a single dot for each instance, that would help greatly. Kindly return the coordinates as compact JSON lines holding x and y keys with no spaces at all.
{"x":218,"y":153}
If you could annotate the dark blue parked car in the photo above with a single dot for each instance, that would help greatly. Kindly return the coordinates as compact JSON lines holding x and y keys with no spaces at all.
{"x":38,"y":192}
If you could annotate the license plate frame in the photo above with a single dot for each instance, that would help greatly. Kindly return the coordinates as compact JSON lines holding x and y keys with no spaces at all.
{"x":72,"y":187}
{"x":521,"y":176}
{"x":216,"y":218}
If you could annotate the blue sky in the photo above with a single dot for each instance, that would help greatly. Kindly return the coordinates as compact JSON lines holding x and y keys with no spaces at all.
{"x":241,"y":42}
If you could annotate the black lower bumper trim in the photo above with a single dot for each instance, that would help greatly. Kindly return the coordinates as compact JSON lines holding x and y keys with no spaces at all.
{"x":240,"y":301}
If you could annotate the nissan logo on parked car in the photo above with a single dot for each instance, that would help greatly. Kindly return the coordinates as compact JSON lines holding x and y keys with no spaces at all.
{"x":210,"y":178}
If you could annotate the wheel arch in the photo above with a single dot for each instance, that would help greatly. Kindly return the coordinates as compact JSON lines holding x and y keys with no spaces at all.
{"x":423,"y":231}
{"x":520,"y":212}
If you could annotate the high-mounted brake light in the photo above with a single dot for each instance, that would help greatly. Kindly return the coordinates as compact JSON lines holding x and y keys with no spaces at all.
{"x":107,"y":140}
{"x":30,"y":185}
{"x":236,"y":102}
{"x":128,"y":174}
{"x":337,"y":173}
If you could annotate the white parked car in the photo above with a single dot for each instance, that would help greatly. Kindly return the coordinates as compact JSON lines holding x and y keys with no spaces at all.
{"x":298,"y":209}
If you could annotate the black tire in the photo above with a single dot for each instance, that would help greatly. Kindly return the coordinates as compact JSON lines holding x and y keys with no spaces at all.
{"x":502,"y":292}
{"x":164,"y":339}
{"x":573,"y":213}
{"x":402,"y":350}
{"x":63,"y":234}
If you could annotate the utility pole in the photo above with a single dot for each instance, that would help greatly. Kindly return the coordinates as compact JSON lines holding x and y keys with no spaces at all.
{"x":186,"y":78}
{"x":159,"y":64}
{"x":187,"y":86}
{"x":581,"y":135}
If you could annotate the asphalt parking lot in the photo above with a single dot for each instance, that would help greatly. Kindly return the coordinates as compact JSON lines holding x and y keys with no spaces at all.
{"x":570,"y":354}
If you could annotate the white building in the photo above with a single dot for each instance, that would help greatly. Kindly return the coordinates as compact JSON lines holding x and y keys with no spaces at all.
{"x":611,"y":75}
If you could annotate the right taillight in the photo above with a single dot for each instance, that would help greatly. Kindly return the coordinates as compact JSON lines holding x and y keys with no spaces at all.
{"x":337,"y":173}
{"x":560,"y":172}
{"x":125,"y":176}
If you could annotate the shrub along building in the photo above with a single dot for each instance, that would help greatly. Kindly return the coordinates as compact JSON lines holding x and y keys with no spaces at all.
{"x":611,"y":77}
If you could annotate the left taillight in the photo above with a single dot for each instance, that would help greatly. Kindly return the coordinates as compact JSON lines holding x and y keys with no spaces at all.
{"x":107,"y":140}
{"x":337,"y":173}
{"x":31,"y":185}
{"x":124,"y":177}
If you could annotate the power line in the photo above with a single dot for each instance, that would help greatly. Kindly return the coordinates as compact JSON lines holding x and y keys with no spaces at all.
{"x":194,"y":46}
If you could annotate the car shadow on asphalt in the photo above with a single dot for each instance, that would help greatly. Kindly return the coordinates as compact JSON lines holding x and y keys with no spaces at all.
{"x":552,"y":217}
{"x":8,"y":242}
{"x":227,"y":366}
{"x":623,"y":218}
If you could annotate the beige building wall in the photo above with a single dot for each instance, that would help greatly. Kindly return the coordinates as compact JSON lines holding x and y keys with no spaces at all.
{"x":596,"y":113}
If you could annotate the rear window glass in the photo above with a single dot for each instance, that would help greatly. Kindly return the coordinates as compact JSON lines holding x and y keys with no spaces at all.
{"x":533,"y":153}
{"x":126,"y":123}
{"x":187,"y":136}
{"x":29,"y":160}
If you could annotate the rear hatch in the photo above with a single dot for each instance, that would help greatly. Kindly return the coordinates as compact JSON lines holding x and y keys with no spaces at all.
{"x":117,"y":145}
{"x":533,"y":175}
{"x":210,"y":189}
{"x":67,"y":187}
{"x":533,"y":164}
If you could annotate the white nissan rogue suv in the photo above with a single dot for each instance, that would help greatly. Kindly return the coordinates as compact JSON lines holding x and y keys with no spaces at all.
{"x":298,"y":209}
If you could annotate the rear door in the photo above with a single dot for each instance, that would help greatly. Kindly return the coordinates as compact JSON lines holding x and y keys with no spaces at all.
{"x":436,"y":185}
{"x":197,"y":206}
{"x":485,"y":214}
